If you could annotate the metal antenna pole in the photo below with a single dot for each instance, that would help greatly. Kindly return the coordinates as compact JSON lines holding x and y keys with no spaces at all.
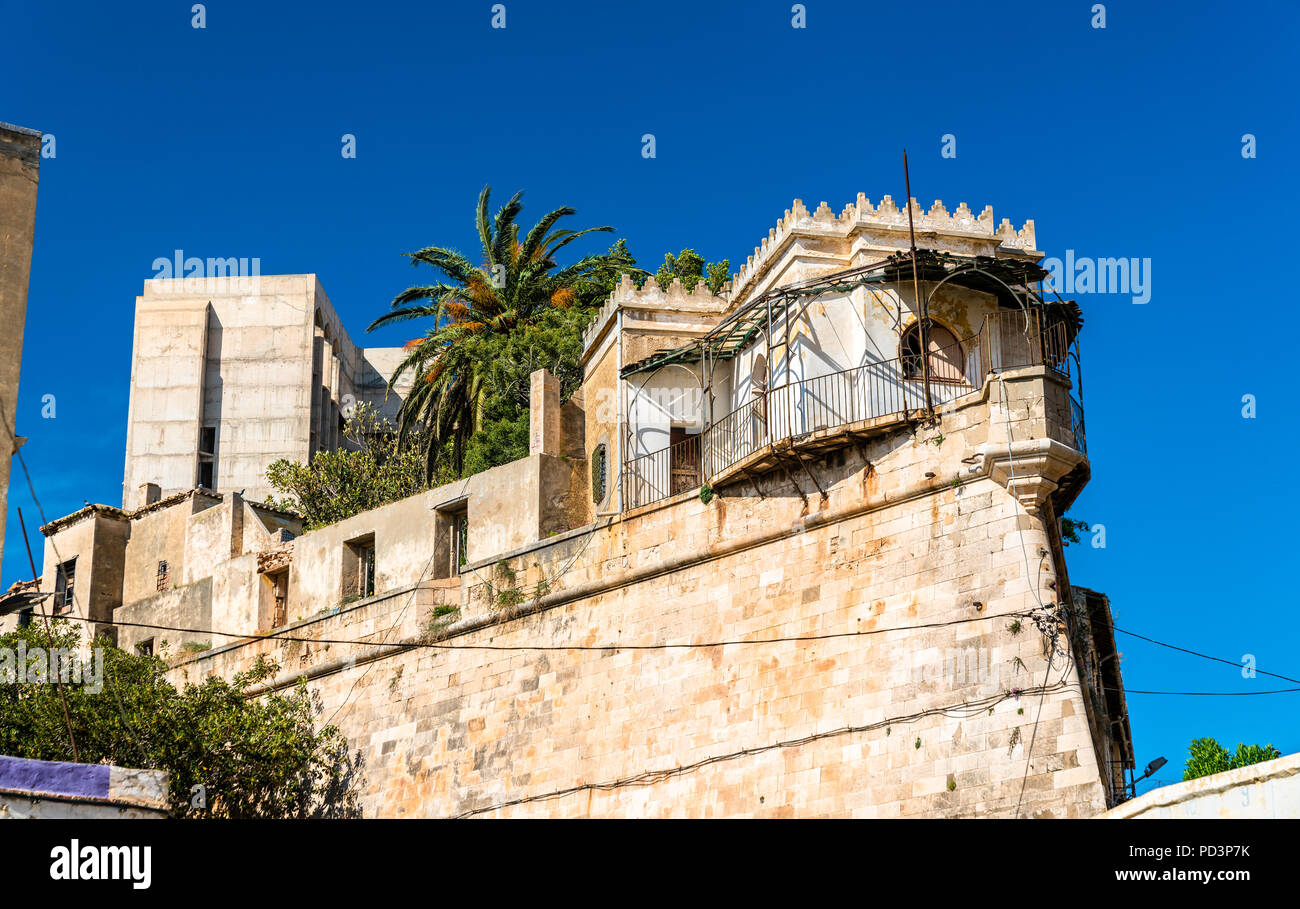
{"x":923,"y":327}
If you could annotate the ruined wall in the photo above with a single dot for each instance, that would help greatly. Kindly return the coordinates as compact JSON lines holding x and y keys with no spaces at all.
{"x":887,"y":719}
{"x":97,"y":540}
{"x":183,"y":606}
{"x":20,"y":161}
{"x":160,"y":534}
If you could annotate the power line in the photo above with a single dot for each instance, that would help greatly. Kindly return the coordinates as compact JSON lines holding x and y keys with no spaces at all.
{"x":246,"y":638}
{"x":1274,"y":691}
{"x":688,"y":645}
{"x":649,"y":777}
{"x":1234,"y":663}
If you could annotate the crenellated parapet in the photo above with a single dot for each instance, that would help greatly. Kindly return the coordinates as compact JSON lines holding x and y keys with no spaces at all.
{"x":882,"y":226}
{"x":887,"y":216}
{"x":651,"y":298}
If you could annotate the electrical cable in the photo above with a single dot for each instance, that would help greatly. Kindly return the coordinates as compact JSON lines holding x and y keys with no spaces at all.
{"x":649,"y":777}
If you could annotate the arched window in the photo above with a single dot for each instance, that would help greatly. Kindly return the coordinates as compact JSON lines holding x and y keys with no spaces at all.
{"x":946,"y":358}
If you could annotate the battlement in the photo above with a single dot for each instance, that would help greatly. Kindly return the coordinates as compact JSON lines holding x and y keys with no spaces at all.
{"x":888,"y":216}
{"x":651,"y":296}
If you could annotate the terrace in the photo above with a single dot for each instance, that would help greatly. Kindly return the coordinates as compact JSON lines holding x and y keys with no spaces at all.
{"x":825,"y":411}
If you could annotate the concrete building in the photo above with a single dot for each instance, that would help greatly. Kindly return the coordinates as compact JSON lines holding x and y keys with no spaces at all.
{"x":791,"y":550}
{"x":231,"y":372}
{"x":20,"y":163}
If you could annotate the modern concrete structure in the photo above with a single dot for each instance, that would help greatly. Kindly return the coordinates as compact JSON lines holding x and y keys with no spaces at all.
{"x":231,"y":372}
{"x":791,"y":550}
{"x":20,"y":162}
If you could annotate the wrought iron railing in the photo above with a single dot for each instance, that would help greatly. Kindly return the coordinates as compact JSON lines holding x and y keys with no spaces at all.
{"x":1008,"y":339}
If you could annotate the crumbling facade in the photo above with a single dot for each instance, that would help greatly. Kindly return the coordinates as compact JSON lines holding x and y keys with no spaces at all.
{"x":791,"y":550}
{"x":20,"y":164}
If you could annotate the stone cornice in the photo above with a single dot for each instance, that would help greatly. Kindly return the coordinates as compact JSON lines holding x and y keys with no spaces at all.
{"x":1031,"y":469}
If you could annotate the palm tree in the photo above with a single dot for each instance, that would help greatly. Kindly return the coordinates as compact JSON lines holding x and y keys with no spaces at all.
{"x":513,"y":287}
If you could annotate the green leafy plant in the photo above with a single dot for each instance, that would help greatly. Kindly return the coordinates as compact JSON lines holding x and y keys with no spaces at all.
{"x":691,"y":268}
{"x":372,"y":470}
{"x":1207,"y":756}
{"x":435,"y":627}
{"x":1070,"y":530}
{"x":250,"y":756}
{"x":506,"y":593}
{"x":518,"y":282}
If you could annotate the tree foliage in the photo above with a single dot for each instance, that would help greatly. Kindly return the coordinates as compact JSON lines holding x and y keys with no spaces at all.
{"x":372,"y":470}
{"x":1208,"y":756}
{"x":252,"y":756}
{"x":692,"y":269}
{"x":1070,"y":530}
{"x":517,"y":283}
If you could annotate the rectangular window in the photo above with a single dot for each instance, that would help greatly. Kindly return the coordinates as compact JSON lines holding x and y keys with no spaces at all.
{"x":280,"y":594}
{"x":145,"y":647}
{"x":207,"y":457}
{"x":359,"y":567}
{"x":366,"y":572}
{"x":451,"y":538}
{"x":65,"y":581}
{"x":162,"y":576}
{"x":460,"y":557}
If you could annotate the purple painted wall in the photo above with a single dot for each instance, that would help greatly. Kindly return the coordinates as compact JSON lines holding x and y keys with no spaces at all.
{"x":54,"y":776}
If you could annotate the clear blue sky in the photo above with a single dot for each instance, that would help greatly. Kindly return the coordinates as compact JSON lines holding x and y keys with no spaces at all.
{"x":1117,"y":142}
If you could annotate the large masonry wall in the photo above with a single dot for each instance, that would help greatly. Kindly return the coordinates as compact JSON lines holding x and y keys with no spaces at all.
{"x":924,"y":704}
{"x":20,"y":161}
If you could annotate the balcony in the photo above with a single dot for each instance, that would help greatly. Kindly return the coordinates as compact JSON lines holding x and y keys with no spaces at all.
{"x":862,"y":398}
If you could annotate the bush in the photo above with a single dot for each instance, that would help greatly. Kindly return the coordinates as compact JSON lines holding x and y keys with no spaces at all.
{"x":227,"y":755}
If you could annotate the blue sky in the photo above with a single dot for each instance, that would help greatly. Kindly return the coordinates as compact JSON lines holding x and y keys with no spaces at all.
{"x":1123,"y":141}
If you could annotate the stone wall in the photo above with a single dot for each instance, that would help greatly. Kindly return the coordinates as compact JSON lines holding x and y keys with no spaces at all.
{"x":913,"y":692}
{"x":20,"y":161}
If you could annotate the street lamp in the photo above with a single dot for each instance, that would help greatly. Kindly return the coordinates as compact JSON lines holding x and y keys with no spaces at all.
{"x":1151,"y":768}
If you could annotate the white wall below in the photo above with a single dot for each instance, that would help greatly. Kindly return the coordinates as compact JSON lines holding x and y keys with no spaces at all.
{"x":1270,"y":789}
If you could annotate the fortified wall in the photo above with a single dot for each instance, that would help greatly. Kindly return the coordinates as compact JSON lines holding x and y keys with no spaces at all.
{"x":773,"y":652}
{"x":790,"y":550}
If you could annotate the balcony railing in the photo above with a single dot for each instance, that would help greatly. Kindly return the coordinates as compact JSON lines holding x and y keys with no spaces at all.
{"x":1008,"y":339}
